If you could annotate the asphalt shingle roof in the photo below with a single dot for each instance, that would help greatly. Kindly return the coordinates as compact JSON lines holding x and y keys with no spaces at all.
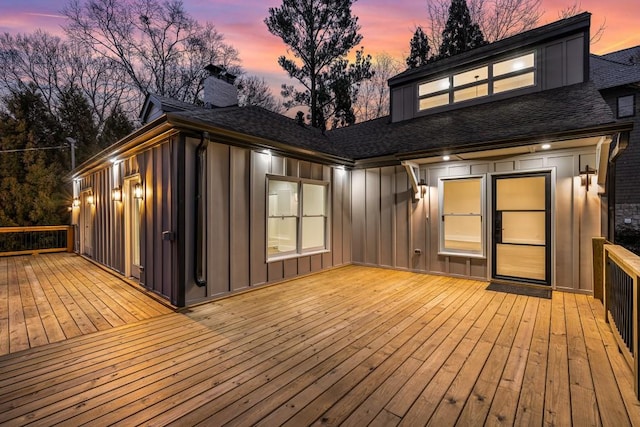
{"x":616,"y":68}
{"x":261,"y":123}
{"x":555,"y":111}
{"x":525,"y":117}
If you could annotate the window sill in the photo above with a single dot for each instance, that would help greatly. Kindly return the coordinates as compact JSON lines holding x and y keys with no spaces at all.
{"x":296,"y":255}
{"x":462,"y":255}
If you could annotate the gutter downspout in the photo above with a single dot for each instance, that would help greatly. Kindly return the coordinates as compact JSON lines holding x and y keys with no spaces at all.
{"x":200,"y":265}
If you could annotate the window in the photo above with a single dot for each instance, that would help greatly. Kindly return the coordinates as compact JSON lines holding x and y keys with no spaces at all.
{"x":493,"y":78}
{"x":297,"y":217}
{"x":626,"y":106}
{"x":462,"y":207}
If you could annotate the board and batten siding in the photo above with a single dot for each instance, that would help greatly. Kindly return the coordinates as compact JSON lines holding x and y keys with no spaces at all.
{"x":156,"y":170}
{"x":236,"y":220}
{"x":392,"y":230}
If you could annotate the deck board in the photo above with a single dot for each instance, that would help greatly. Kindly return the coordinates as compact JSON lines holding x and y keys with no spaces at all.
{"x":351,"y":346}
{"x":50,"y":298}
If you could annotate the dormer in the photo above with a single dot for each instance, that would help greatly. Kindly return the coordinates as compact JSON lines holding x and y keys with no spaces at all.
{"x":544,"y":58}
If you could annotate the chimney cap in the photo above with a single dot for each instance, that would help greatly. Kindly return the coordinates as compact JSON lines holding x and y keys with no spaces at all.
{"x":221,"y":73}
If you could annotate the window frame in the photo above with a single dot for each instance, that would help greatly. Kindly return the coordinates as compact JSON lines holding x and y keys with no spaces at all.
{"x":299,"y":215}
{"x":633,"y":106}
{"x":489,"y":82}
{"x":442,"y":250}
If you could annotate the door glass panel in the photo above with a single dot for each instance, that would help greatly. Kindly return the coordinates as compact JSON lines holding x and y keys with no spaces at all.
{"x":527,"y":193}
{"x":135,"y":231}
{"x":524,"y":228}
{"x":523,"y":261}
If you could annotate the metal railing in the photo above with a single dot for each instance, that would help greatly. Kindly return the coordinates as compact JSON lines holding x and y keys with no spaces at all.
{"x":621,"y":280}
{"x":32,"y":240}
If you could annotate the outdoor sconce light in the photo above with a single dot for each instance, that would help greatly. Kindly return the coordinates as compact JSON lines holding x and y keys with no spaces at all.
{"x":423,"y":188}
{"x":137,"y":191}
{"x":76,"y":202}
{"x":116,"y":194}
{"x":90,"y":198}
{"x":585,"y":176}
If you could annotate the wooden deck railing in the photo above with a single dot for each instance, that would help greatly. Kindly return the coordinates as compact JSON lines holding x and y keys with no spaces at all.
{"x":30,"y":240}
{"x":621,"y":302}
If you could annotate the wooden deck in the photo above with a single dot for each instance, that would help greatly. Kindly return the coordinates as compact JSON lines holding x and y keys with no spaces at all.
{"x":50,"y":298}
{"x":353,"y":346}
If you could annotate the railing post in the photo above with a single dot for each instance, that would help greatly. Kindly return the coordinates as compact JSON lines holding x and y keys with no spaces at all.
{"x":70,"y":238}
{"x":636,"y":359}
{"x":598,"y":267}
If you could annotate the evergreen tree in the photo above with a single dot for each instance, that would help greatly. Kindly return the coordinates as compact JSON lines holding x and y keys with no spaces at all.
{"x":460,"y":34}
{"x":116,"y":127}
{"x":32,"y":163}
{"x":419,"y":45}
{"x":320,"y":33}
{"x":77,"y":122}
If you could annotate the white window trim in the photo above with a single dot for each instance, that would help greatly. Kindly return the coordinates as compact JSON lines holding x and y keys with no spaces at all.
{"x":299,"y":252}
{"x":483,"y":218}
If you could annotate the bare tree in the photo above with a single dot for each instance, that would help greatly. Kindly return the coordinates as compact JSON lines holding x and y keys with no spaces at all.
{"x":51,"y":65}
{"x":373,"y":96}
{"x":36,"y":59}
{"x":156,"y":43}
{"x":255,"y":91}
{"x":497,"y":19}
{"x":575,"y":9}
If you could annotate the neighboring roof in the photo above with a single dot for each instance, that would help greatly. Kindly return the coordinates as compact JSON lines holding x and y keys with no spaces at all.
{"x":538,"y":35}
{"x":616,"y":68}
{"x":561,"y":112}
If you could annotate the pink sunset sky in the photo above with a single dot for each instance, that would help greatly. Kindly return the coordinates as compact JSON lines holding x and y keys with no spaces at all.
{"x":387,"y":26}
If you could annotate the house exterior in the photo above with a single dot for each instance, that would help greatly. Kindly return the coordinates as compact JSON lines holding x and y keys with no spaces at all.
{"x":492,"y":165}
{"x":617,"y":77}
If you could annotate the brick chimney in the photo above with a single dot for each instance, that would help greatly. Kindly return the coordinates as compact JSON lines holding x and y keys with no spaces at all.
{"x":219,"y":90}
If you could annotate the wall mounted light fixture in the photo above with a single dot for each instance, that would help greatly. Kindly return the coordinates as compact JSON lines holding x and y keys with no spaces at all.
{"x":116,"y":194}
{"x":76,"y":202}
{"x":90,"y":199}
{"x":137,"y":191}
{"x":423,"y":188}
{"x":585,"y":176}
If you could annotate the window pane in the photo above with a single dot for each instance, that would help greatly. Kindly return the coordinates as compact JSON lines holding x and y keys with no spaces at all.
{"x":515,"y":82}
{"x":462,"y":196}
{"x":472,"y":76}
{"x":282,"y":235}
{"x":471,"y":92}
{"x":283,"y":198}
{"x":313,"y":231}
{"x":313,"y":199}
{"x":513,"y":65}
{"x":434,"y":101}
{"x":463,"y":233}
{"x":433,"y":86}
{"x":625,"y":106}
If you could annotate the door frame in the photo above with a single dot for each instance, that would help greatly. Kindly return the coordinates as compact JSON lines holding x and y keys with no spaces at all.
{"x":130,"y":269}
{"x":86,"y":221}
{"x":550,"y":257}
